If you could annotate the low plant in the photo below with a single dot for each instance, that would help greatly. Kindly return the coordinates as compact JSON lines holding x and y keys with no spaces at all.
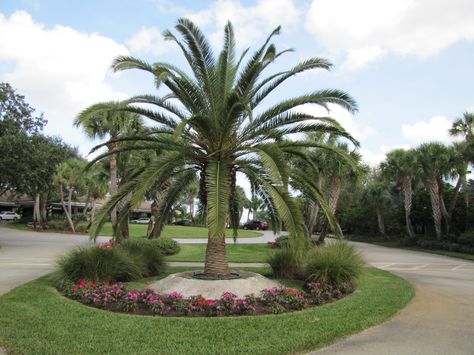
{"x":167,"y":246}
{"x":286,"y":263}
{"x":334,"y":264}
{"x":59,"y":224}
{"x":148,"y":252}
{"x":100,"y":265}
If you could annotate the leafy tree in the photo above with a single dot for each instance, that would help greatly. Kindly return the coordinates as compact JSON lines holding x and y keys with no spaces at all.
{"x":376,"y":195}
{"x":208,"y":125}
{"x":16,"y":115}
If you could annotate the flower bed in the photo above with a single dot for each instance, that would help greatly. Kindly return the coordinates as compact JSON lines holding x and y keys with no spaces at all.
{"x":274,"y":300}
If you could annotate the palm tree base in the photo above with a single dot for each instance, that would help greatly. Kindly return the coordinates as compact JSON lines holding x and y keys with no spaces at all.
{"x":208,"y":276}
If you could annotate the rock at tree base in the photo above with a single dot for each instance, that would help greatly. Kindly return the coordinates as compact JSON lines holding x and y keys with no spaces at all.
{"x":187,"y":285}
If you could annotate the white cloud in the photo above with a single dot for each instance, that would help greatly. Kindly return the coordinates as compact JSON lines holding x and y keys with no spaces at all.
{"x":60,"y":70}
{"x":435,"y":129}
{"x":375,"y":157}
{"x":345,"y":118}
{"x":366,"y":30}
{"x":149,"y":40}
{"x":251,"y":23}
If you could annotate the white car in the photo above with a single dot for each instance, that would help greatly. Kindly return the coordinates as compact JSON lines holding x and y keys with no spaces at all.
{"x":9,"y":216}
{"x":143,"y":220}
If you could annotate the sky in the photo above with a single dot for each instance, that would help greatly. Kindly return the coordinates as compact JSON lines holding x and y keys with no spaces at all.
{"x":408,"y":63}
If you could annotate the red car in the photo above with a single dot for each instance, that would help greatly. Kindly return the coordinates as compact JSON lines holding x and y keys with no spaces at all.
{"x":257,"y":225}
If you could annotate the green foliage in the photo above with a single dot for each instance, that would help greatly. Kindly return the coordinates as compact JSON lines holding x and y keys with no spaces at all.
{"x":334,"y":264}
{"x":147,"y":251}
{"x":58,"y":224}
{"x":82,"y":227}
{"x":16,"y":115}
{"x":167,"y":246}
{"x":100,"y":264}
{"x":286,"y":263}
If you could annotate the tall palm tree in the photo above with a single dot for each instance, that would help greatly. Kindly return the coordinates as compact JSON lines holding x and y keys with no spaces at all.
{"x":401,"y":167}
{"x":376,"y":195}
{"x":434,"y":160}
{"x":464,"y":126}
{"x":111,"y":125}
{"x":208,"y":126}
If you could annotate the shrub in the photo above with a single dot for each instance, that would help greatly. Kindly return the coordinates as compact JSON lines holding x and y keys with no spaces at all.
{"x":168,"y":246}
{"x":334,"y":264}
{"x":285,"y":263}
{"x":82,"y":227}
{"x":60,"y":224}
{"x":148,"y":252}
{"x":100,"y":265}
{"x":281,"y":241}
{"x":466,"y":239}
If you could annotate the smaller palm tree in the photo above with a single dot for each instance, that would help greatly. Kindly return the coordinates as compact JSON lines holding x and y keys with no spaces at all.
{"x":402,"y":168}
{"x":434,"y":161}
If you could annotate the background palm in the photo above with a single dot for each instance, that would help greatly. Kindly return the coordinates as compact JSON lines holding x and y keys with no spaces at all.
{"x":207,"y":125}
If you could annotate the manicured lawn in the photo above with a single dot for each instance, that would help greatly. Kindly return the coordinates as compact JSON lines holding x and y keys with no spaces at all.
{"x":241,"y":253}
{"x":139,"y":230}
{"x":36,"y":319}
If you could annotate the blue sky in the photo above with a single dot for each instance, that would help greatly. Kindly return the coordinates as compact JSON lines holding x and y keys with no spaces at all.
{"x":408,"y":63}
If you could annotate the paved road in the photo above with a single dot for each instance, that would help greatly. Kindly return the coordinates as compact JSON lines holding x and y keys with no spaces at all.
{"x":440,"y":320}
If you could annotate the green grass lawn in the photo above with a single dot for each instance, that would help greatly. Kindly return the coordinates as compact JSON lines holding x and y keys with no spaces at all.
{"x":36,"y":319}
{"x":242,"y":253}
{"x":184,"y":232}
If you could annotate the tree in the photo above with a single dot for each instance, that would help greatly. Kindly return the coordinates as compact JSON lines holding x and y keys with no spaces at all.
{"x":111,"y":124}
{"x":16,"y":115}
{"x":70,"y":179}
{"x":401,"y":167}
{"x":434,"y":161}
{"x":376,"y":196}
{"x":208,"y":127}
{"x":96,"y":182}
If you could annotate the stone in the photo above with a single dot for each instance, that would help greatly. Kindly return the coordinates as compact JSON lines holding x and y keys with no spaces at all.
{"x":188,"y":286}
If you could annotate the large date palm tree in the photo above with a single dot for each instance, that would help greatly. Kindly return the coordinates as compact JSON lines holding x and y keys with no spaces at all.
{"x":210,"y":124}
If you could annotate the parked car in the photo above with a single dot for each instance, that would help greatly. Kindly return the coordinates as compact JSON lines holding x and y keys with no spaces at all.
{"x":257,"y":225}
{"x":143,"y":220}
{"x":9,"y":216}
{"x":183,"y":222}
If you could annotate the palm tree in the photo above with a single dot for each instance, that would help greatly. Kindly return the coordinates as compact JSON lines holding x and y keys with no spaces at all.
{"x":111,"y":124}
{"x":434,"y":160}
{"x":208,"y":127}
{"x":376,"y":195}
{"x":464,"y":126}
{"x":69,"y":178}
{"x":401,"y":167}
{"x":96,"y":183}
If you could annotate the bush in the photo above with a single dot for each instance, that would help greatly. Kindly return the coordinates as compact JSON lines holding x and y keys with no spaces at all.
{"x":147,"y":251}
{"x":466,"y":239}
{"x":281,"y":241}
{"x":168,"y":246}
{"x":285,"y":263}
{"x":82,"y":227}
{"x":100,"y":265}
{"x":60,"y":224}
{"x":334,"y":264}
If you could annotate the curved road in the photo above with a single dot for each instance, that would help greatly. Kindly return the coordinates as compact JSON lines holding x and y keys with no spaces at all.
{"x":440,"y":320}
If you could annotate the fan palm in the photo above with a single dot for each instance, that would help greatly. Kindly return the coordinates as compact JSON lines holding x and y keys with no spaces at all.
{"x":434,"y":160}
{"x":112,"y":124}
{"x":401,"y":167}
{"x":208,"y":126}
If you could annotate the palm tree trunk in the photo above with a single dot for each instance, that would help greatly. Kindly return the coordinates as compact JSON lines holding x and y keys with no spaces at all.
{"x":153,"y":218}
{"x":407,"y":202}
{"x":313,"y":217}
{"x":461,"y":181}
{"x":435,"y":204}
{"x":216,"y":264}
{"x":68,"y":207}
{"x":380,"y":220}
{"x":334,"y":192}
{"x":36,"y":210}
{"x":113,"y":182}
{"x":93,"y":210}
